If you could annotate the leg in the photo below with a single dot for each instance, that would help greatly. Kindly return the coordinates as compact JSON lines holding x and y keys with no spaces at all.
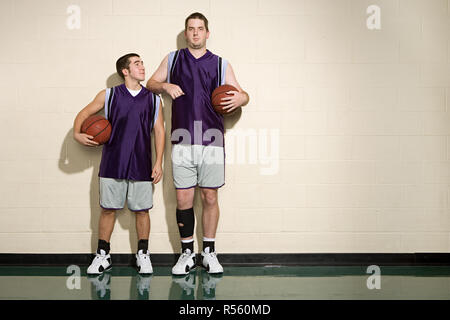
{"x":143,"y":262}
{"x":185,"y":201}
{"x":210,"y":216}
{"x":211,"y":177}
{"x":102,"y":260}
{"x":142,"y":225}
{"x":106,"y":224}
{"x":185,"y":180}
{"x":210,"y":220}
{"x":186,"y":220}
{"x":112,"y":195}
{"x":140,"y":201}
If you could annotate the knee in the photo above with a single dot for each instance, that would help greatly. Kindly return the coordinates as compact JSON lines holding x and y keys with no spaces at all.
{"x":209,"y":197}
{"x":142,"y":214}
{"x":108,"y":212}
{"x":184,"y":203}
{"x":184,"y":200}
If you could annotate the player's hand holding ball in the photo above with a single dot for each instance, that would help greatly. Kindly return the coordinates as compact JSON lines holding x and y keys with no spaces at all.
{"x":95,"y":131}
{"x":226,"y":99}
{"x":85,"y":139}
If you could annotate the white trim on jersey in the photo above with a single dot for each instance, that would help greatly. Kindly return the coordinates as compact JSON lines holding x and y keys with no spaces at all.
{"x":158,"y":103}
{"x":224,"y":69}
{"x":170,"y":63}
{"x":108,"y":92}
{"x":109,"y":96}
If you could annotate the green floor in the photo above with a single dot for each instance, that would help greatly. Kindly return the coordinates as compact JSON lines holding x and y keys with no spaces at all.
{"x":237,"y":283}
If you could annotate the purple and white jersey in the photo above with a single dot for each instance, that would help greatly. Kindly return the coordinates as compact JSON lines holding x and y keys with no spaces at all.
{"x":193,"y":112}
{"x":127,"y":154}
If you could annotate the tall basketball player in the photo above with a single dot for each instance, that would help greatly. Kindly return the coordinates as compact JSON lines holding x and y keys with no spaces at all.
{"x":126,"y":172}
{"x":189,"y":76}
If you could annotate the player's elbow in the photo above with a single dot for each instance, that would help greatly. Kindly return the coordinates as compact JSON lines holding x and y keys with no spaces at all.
{"x":247,"y":98}
{"x":153,"y":85}
{"x":82,"y":115}
{"x":149,"y":84}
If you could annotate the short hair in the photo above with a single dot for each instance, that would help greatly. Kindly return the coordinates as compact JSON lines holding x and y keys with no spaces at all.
{"x":124,"y":62}
{"x":196,"y":15}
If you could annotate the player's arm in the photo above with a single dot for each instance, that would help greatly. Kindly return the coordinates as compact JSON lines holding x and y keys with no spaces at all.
{"x":236,"y":99}
{"x":159,"y":146}
{"x":92,"y":108}
{"x":157,"y":83}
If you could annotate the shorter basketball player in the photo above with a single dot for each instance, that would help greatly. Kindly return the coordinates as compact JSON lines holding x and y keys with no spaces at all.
{"x":126,"y":170}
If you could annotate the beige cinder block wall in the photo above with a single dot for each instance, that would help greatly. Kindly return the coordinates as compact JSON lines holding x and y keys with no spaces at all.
{"x":343,"y":147}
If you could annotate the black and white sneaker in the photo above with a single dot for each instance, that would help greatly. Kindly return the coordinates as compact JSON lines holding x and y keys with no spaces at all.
{"x":210,"y":262}
{"x":185,"y":263}
{"x":143,"y":262}
{"x":100,"y":264}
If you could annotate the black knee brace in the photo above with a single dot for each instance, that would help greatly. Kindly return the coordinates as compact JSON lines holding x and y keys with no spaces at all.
{"x":185,"y":221}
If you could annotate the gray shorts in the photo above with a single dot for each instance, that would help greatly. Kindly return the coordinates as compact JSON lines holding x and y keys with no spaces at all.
{"x":114,"y":192}
{"x":194,"y":165}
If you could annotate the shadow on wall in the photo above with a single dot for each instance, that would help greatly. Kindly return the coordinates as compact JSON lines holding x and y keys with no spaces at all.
{"x":79,"y":158}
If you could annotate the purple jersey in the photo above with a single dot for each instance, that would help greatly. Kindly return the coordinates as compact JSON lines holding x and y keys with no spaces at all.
{"x":193,"y":111}
{"x":127,"y":154}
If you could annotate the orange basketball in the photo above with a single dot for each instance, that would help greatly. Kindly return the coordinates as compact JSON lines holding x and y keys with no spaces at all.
{"x":218,"y":94}
{"x":98,"y":127}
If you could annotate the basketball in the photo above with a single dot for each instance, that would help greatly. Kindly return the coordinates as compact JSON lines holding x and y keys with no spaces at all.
{"x":218,"y":94}
{"x":98,"y":127}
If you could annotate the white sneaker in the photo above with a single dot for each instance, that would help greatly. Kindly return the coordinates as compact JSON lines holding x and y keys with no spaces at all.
{"x":185,"y":263}
{"x":210,"y":262}
{"x":101,"y":263}
{"x":143,"y":262}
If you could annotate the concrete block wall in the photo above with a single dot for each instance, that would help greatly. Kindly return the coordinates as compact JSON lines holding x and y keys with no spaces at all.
{"x":356,"y":121}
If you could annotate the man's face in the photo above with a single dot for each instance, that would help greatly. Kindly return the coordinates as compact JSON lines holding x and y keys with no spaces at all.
{"x":136,"y":69}
{"x":196,"y":34}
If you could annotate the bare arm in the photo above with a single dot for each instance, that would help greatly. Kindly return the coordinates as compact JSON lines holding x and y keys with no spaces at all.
{"x":92,"y":108}
{"x":157,"y":83}
{"x":159,"y":146}
{"x":236,"y":99}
